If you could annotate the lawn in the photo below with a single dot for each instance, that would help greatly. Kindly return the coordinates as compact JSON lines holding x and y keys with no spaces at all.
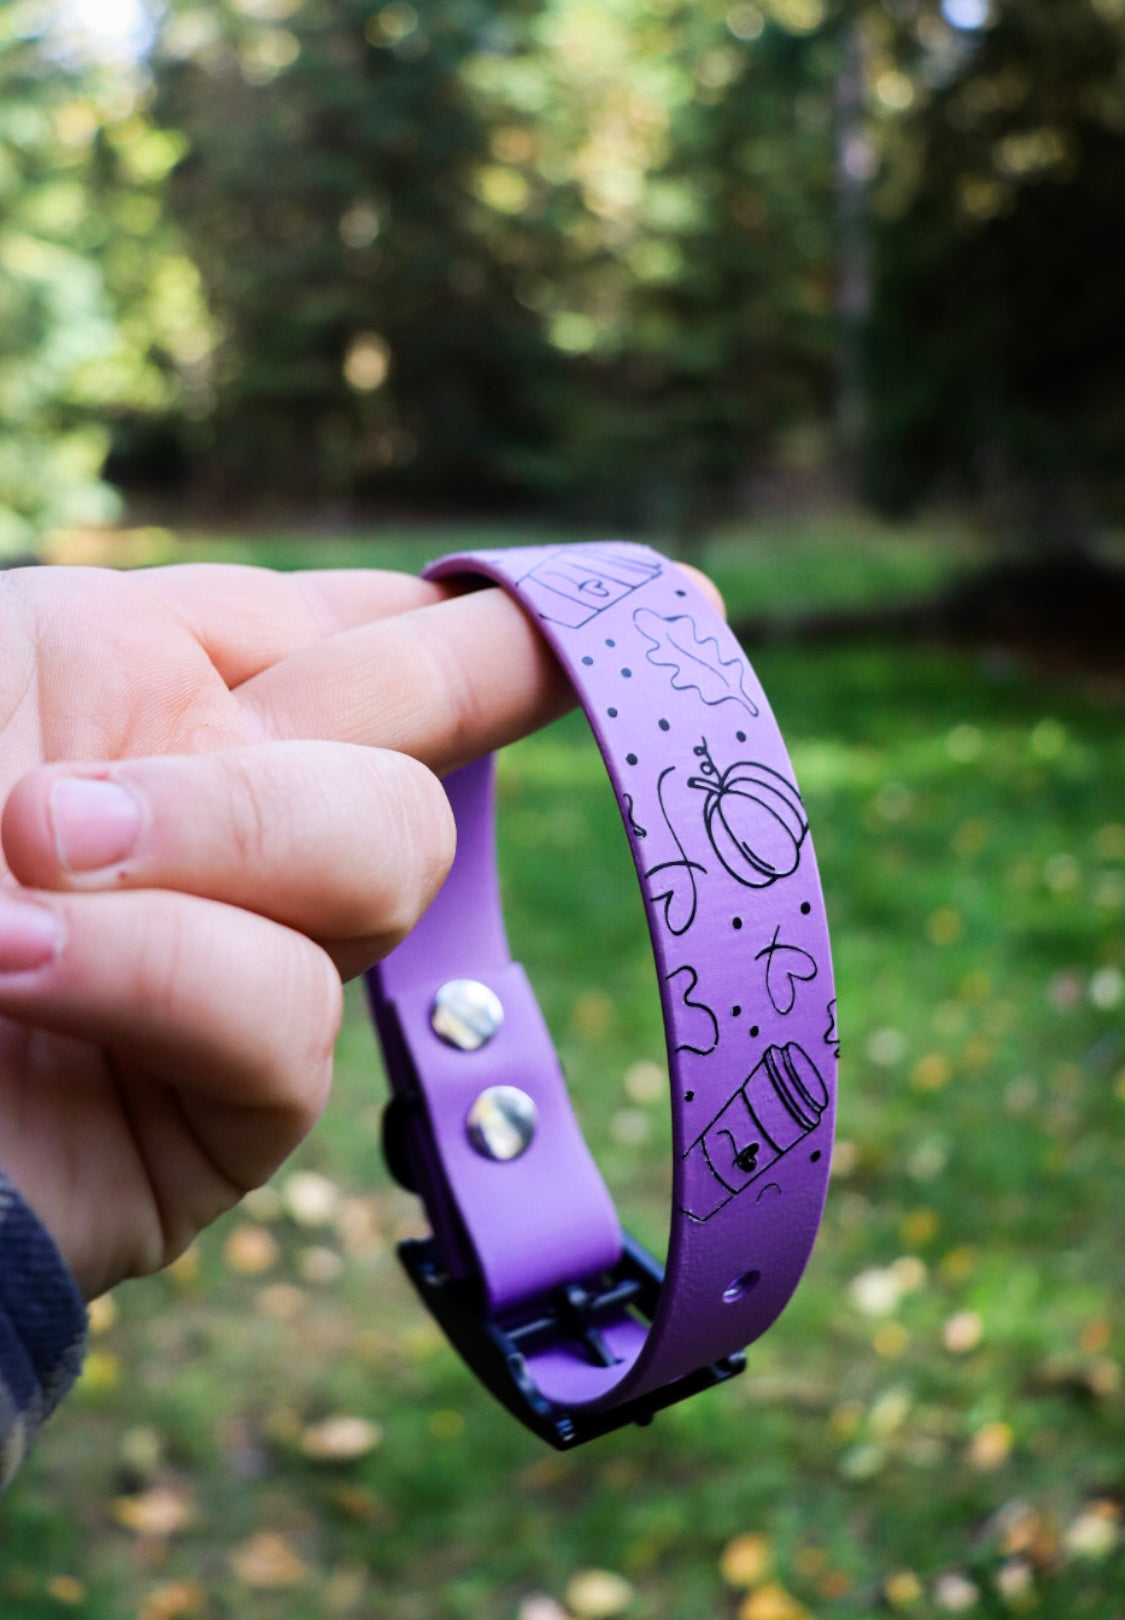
{"x":937,"y":1423}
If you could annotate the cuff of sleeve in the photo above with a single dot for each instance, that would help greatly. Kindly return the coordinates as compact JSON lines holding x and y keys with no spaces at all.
{"x":42,"y":1327}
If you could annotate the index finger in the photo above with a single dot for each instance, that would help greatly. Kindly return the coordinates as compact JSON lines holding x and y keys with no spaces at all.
{"x":247,"y":618}
{"x":445,"y":683}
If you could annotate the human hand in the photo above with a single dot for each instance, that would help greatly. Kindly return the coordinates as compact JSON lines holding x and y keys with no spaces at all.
{"x":277,"y":736}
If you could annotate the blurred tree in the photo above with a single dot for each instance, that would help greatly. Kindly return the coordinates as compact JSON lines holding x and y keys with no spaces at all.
{"x":620,"y":255}
{"x":576,"y":249}
{"x":734,"y":326}
{"x":330,"y":193}
{"x":101,"y":315}
{"x":54,"y":316}
{"x":680,"y":158}
{"x":998,"y":340}
{"x":853,"y":246}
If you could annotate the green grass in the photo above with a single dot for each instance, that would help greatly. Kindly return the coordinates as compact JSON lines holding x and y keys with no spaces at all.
{"x":970,"y":828}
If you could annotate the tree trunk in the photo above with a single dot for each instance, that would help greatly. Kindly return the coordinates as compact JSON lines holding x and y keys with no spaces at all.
{"x":854,"y":160}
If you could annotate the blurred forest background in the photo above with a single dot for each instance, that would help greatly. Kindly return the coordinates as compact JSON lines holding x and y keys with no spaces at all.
{"x":640,"y":263}
{"x":830,"y":294}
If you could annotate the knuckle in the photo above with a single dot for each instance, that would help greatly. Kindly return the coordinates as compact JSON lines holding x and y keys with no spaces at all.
{"x":434,"y":831}
{"x":309,"y":1054}
{"x":327,"y":1009}
{"x":454,"y":693}
{"x":251,"y":826}
{"x":293,"y":1064}
{"x":424,"y":836}
{"x":161,"y":964}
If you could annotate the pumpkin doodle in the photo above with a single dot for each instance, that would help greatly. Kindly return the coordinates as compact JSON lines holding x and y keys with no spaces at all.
{"x":754,"y":818}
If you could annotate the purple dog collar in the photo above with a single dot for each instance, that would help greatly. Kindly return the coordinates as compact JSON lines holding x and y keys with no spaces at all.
{"x":562,"y":1315}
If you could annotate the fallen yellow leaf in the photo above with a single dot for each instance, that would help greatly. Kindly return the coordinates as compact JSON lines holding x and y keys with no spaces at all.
{"x":835,"y":1583}
{"x":1095,"y":1337}
{"x":185,"y":1270}
{"x":311,"y":1199}
{"x":890,"y":1340}
{"x":945,"y":926}
{"x":446,"y":1424}
{"x":250,"y":1250}
{"x":1096,"y":1532}
{"x":538,"y":1606}
{"x":773,"y":1602}
{"x":745,"y":1560}
{"x":101,"y":1314}
{"x":592,"y":1014}
{"x":100,"y":1371}
{"x":344,"y":1588}
{"x":962,"y":1332}
{"x":902,"y":1589}
{"x":268,"y":1560}
{"x":362,"y":1505}
{"x":340,"y":1439}
{"x":597,"y":1594}
{"x":163,"y":1511}
{"x":142,"y":1450}
{"x":175,"y":1600}
{"x":990,"y":1446}
{"x":319,"y":1264}
{"x":66,"y":1589}
{"x":359,"y":1223}
{"x":282,"y":1301}
{"x":931,"y":1072}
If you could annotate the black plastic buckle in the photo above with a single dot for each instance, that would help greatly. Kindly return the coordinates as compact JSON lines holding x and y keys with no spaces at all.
{"x":496,"y":1350}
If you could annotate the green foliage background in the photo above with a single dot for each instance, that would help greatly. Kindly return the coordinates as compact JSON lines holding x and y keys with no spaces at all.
{"x":624,"y":260}
{"x":637,"y":261}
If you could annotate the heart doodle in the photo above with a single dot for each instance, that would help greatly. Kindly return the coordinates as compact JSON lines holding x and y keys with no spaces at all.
{"x":678,"y":891}
{"x":786,"y":967}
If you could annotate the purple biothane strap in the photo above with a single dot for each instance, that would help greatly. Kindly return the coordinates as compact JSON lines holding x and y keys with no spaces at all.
{"x":722,"y":849}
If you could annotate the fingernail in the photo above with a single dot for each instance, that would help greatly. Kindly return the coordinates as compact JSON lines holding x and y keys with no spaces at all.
{"x":30,"y":935}
{"x":95,"y":823}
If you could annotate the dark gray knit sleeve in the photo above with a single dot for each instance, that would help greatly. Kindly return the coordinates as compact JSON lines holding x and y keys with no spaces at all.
{"x":42,"y":1327}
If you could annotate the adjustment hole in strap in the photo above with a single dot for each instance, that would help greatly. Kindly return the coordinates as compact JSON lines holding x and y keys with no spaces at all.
{"x":740,"y":1286}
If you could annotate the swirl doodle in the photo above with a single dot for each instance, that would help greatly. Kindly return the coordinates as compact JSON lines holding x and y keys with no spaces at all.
{"x":696,"y":661}
{"x":754,"y":819}
{"x":706,"y":1022}
{"x":634,"y":827}
{"x":786,"y":967}
{"x":832,"y":1033}
{"x":681,"y":898}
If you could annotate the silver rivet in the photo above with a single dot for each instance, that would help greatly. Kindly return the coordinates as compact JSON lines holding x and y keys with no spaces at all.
{"x":501,"y":1122}
{"x":466,"y":1014}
